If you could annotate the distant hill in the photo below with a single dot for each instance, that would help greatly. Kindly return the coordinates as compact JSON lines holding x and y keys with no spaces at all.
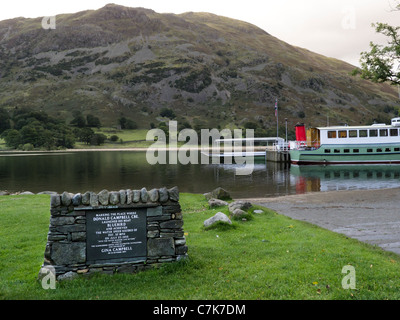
{"x":212,"y":71}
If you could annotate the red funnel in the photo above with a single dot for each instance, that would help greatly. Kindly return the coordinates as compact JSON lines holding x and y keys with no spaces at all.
{"x":300,"y":132}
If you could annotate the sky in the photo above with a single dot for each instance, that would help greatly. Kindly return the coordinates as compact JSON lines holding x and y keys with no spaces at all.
{"x":335,"y":28}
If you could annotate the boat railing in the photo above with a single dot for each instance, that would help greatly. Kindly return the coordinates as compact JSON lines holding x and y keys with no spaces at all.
{"x":303,"y":145}
{"x":281,"y":146}
{"x":298,"y":145}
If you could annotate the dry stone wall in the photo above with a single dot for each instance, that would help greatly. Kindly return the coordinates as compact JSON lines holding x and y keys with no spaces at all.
{"x":117,"y":231}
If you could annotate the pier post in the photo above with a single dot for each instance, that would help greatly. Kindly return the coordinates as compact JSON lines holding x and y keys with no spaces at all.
{"x":277,"y":156}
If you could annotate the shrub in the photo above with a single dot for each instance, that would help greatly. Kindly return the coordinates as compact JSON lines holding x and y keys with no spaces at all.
{"x":168,"y":113}
{"x":114,"y":138}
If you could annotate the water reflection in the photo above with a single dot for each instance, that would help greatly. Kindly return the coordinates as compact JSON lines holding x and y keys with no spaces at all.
{"x":345,"y":177}
{"x":83,"y":171}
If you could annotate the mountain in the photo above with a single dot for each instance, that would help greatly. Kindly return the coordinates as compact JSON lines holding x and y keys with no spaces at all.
{"x":212,"y":71}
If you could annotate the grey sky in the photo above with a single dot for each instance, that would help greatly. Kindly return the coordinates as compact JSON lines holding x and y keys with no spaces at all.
{"x":339,"y":29}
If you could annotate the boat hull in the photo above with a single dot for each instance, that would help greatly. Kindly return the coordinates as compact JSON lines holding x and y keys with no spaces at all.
{"x":348,"y":154}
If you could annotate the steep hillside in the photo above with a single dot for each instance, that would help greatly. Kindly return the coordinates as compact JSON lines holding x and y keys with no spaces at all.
{"x":211,"y":70}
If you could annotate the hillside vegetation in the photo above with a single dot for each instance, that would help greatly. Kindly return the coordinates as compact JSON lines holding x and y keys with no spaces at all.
{"x":210,"y":70}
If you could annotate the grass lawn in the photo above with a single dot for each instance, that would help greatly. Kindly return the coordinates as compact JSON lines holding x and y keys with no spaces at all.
{"x":130,"y":139}
{"x":2,"y":144}
{"x":267,"y":257}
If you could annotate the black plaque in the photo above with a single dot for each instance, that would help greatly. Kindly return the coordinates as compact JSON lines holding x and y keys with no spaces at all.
{"x":116,"y":234}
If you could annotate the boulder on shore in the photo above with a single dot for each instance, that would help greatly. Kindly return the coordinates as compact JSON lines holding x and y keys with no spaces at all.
{"x":218,"y":193}
{"x":213,"y":203}
{"x":217,"y":217}
{"x":238,"y":213}
{"x":242,"y":205}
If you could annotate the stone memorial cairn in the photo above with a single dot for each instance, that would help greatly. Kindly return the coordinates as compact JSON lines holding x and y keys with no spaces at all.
{"x":68,"y":248}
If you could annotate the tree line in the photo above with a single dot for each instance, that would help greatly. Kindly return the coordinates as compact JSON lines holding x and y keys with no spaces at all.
{"x":26,"y":129}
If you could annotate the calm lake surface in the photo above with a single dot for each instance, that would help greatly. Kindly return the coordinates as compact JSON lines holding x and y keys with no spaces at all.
{"x":114,"y":170}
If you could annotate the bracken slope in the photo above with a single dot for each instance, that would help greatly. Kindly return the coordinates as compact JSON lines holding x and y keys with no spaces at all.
{"x":211,"y":70}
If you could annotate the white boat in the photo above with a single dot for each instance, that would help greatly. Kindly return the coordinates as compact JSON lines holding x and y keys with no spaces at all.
{"x":372,"y":144}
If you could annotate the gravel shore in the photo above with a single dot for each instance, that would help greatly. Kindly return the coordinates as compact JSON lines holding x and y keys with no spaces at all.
{"x":372,"y":216}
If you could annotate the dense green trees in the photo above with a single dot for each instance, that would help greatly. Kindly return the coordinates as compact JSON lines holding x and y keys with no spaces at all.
{"x":4,"y":120}
{"x":36,"y":129}
{"x":126,"y":123}
{"x":79,"y":120}
{"x":28,"y":130}
{"x":88,"y":136}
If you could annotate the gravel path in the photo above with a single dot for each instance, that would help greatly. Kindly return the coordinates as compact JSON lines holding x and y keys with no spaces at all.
{"x":372,"y":216}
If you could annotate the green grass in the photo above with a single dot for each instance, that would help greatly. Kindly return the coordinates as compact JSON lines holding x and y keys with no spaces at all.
{"x":126,"y":134}
{"x":267,"y":257}
{"x":2,"y":145}
{"x":130,"y":139}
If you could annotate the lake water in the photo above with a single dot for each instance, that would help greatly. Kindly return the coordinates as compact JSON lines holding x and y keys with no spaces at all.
{"x":114,"y":170}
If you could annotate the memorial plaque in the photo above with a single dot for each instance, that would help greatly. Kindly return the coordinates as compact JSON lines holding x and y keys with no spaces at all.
{"x":116,"y":234}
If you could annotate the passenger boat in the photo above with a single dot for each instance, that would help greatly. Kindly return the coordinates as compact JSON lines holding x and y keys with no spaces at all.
{"x":373,"y":144}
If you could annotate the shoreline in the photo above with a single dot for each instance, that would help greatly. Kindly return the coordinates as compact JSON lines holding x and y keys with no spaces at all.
{"x":370,"y":216}
{"x":183,"y":147}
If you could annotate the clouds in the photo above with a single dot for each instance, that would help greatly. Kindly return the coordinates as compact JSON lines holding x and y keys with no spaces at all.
{"x":340,"y":29}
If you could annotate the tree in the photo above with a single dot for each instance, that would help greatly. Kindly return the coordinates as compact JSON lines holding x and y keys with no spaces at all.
{"x":36,"y":129}
{"x":98,"y":139}
{"x":167,"y":112}
{"x":4,"y":120}
{"x":93,"y":121}
{"x":127,"y":123}
{"x":31,"y":134}
{"x":12,"y":137}
{"x":122,"y":122}
{"x":78,"y":120}
{"x":114,"y":138}
{"x":250,"y":125}
{"x":84,"y":134}
{"x":382,"y":63}
{"x":130,"y":124}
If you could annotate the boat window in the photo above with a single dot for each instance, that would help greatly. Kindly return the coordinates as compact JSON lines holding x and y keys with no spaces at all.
{"x":373,"y":133}
{"x":343,"y":134}
{"x":336,"y":174}
{"x":388,"y":150}
{"x":356,"y":150}
{"x":363,"y":133}
{"x":327,"y":150}
{"x":331,"y":134}
{"x":383,"y":132}
{"x":379,"y":150}
{"x":394,"y":132}
{"x":346,"y":150}
{"x":352,"y":133}
{"x":336,"y":151}
{"x":369,"y":150}
{"x":397,"y":149}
